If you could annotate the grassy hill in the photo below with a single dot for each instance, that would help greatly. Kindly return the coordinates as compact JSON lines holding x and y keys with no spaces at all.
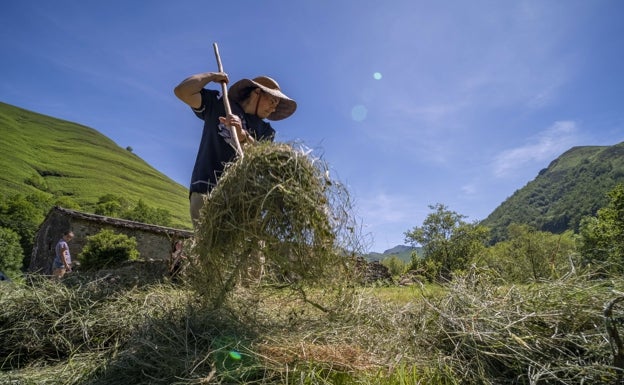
{"x":404,"y":253}
{"x":573,"y":186}
{"x":65,"y":159}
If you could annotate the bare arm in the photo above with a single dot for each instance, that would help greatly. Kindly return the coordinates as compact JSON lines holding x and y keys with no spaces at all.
{"x":64,"y":252}
{"x":189,"y":89}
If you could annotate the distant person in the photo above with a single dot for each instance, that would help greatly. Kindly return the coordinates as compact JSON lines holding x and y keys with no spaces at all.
{"x":62,"y":261}
{"x":251,"y":102}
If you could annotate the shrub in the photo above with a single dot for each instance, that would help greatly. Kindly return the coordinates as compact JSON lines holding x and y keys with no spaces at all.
{"x":23,"y":214}
{"x":395,"y":265}
{"x":107,"y":249}
{"x":146,"y":214}
{"x":11,"y":256}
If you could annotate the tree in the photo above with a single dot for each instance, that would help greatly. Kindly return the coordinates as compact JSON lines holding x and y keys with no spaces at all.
{"x":143,"y":213}
{"x":12,"y":256}
{"x":115,"y":206}
{"x":395,"y":265}
{"x":448,"y":242}
{"x":530,"y":255}
{"x":111,"y":205}
{"x":23,"y":215}
{"x":602,"y":236}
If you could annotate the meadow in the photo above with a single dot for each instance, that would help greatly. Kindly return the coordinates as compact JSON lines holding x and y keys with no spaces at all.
{"x":125,"y":327}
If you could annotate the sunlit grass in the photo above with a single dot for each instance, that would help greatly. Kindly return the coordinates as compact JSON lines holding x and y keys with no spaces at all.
{"x":80,"y":163}
{"x":404,"y":294}
{"x":101,"y":330}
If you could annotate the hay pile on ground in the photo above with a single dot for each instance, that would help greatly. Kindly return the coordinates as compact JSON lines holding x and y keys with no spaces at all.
{"x":491,"y":332}
{"x":474,"y":331}
{"x":275,"y":217}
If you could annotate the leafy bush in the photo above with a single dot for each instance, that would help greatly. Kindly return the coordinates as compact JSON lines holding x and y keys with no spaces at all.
{"x":119,"y":207}
{"x":530,"y":255}
{"x":111,"y":205}
{"x":11,"y":256}
{"x":23,"y":214}
{"x":395,"y":265}
{"x":107,"y":249}
{"x":602,"y":236}
{"x":146,"y":214}
{"x":67,"y":202}
{"x":448,"y":242}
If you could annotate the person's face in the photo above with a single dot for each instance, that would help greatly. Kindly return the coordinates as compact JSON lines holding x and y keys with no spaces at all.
{"x":267,"y":105}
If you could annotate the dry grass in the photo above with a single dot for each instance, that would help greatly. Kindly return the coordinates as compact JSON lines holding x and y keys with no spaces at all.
{"x":547,"y":333}
{"x":475,"y":331}
{"x":277,"y":205}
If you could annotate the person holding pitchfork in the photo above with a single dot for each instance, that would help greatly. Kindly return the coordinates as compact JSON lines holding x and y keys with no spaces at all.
{"x":251,"y":102}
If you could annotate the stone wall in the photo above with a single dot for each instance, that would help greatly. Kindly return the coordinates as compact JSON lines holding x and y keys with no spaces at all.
{"x":153,"y":242}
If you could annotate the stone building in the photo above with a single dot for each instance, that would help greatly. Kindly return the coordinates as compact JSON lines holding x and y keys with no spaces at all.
{"x":153,"y":242}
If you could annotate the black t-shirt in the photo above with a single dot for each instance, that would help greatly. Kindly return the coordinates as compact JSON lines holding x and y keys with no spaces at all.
{"x":216,"y":147}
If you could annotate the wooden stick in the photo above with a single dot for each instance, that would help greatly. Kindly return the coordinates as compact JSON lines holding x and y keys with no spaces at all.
{"x":226,"y":103}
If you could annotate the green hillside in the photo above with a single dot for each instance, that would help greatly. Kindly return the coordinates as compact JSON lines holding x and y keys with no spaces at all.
{"x":65,"y":159}
{"x":404,"y":253}
{"x":573,"y":186}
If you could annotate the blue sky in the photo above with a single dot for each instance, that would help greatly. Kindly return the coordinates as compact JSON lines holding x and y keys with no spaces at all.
{"x":411,"y":103}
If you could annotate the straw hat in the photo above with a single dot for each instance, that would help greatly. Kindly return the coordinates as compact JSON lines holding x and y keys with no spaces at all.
{"x":284,"y":109}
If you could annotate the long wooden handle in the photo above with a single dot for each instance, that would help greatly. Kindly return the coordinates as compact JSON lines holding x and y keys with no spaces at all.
{"x":226,"y":102}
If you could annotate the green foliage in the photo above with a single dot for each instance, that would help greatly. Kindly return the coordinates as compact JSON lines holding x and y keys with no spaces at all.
{"x":428,"y":269}
{"x":531,"y":255}
{"x":37,"y":181}
{"x":403,"y":252}
{"x":143,"y":213}
{"x":111,"y":205}
{"x":67,"y":203}
{"x":116,"y":206}
{"x":11,"y":256}
{"x":572,"y":187}
{"x":602,"y":236}
{"x":56,"y":158}
{"x":108,"y":249}
{"x":449,"y":243}
{"x":23,"y":214}
{"x":395,"y":265}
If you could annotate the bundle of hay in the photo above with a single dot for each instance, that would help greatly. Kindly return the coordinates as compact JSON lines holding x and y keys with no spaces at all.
{"x":275,"y":216}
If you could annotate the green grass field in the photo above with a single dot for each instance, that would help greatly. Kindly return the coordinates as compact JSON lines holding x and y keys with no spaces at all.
{"x":65,"y":159}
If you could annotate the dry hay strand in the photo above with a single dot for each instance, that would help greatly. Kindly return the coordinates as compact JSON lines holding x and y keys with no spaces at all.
{"x":548,"y":332}
{"x":339,"y":357}
{"x":274,"y":217}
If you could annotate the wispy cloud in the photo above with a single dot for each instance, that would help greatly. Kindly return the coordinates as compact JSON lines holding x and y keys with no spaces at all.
{"x":469,"y":189}
{"x":388,"y":216}
{"x":387,"y":208}
{"x":545,"y":146}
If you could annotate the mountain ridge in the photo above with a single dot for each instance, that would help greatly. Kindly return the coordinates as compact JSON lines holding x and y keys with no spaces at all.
{"x":574,"y":185}
{"x":46,"y":155}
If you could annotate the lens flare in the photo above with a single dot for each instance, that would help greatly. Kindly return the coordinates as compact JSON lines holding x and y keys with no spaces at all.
{"x":377,"y":75}
{"x":358,"y":113}
{"x":235,"y":355}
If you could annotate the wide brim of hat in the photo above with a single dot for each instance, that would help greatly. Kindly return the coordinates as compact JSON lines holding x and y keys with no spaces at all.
{"x":284,"y":109}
